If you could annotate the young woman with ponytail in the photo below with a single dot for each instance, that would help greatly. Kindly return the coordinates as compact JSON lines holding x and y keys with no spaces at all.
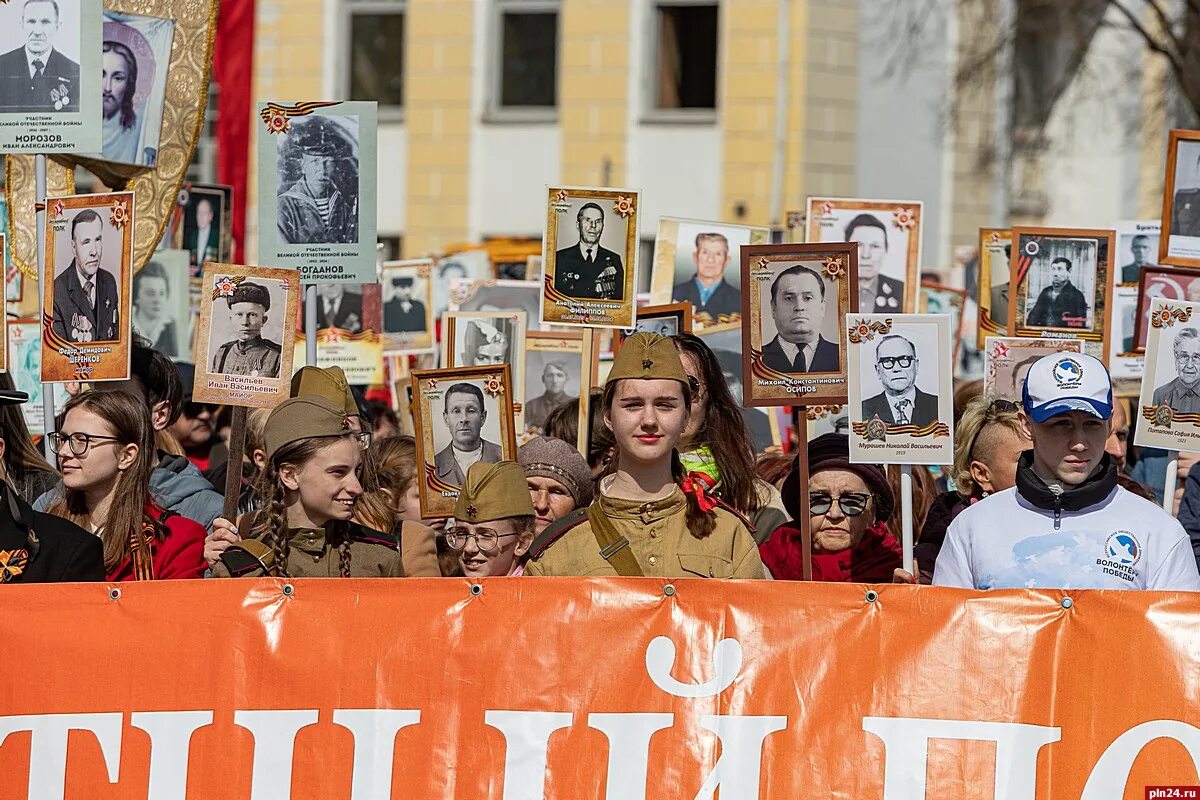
{"x":106,"y":452}
{"x":309,"y":488}
{"x":650,"y":516}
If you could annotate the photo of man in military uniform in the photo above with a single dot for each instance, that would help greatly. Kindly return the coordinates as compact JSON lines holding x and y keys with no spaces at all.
{"x":319,"y":205}
{"x":249,"y":353}
{"x":586,"y":269}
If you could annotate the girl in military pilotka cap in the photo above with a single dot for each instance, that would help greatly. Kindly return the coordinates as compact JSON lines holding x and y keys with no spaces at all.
{"x":650,"y":518}
{"x":493,"y":521}
{"x":309,"y":487}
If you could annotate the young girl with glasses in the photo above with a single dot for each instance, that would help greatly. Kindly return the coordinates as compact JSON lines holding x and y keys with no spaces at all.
{"x":106,"y":452}
{"x":493,"y":521}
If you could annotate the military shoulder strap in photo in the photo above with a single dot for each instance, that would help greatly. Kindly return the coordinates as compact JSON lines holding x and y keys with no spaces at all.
{"x":614,"y":548}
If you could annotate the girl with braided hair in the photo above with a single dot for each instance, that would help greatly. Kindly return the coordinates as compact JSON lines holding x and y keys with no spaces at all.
{"x":106,"y":452}
{"x":309,"y":487}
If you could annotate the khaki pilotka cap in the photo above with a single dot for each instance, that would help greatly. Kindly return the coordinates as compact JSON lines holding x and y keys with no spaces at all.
{"x":648,"y":356}
{"x":327,"y":382}
{"x":306,"y":417}
{"x":492,"y":492}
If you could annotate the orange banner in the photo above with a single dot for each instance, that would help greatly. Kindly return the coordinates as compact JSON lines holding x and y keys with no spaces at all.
{"x":582,"y":689}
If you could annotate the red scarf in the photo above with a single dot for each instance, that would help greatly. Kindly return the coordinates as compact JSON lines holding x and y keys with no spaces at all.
{"x":872,"y":560}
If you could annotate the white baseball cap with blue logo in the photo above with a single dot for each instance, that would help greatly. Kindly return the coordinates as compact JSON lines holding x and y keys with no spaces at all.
{"x":1065,"y":382}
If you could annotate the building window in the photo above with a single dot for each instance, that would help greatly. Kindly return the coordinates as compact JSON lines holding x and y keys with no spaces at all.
{"x":375,"y":59}
{"x":686,"y":73}
{"x":526,"y":37}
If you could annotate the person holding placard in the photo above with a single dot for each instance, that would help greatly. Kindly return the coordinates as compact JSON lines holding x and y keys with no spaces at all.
{"x":1067,"y":523}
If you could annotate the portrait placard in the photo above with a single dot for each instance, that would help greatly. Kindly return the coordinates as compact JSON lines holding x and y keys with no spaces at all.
{"x":24,"y":364}
{"x":670,"y":319}
{"x":827,"y":419}
{"x":1164,"y":283}
{"x":206,"y":232}
{"x":558,"y":369}
{"x":349,"y":322}
{"x":727,"y":348}
{"x":995,"y":250}
{"x":462,"y":415}
{"x":50,"y":77}
{"x":487,"y":338}
{"x":1007,"y":359}
{"x":938,"y":299}
{"x":135,"y":56}
{"x":1125,"y":364}
{"x":1179,"y":243}
{"x":246,"y":335}
{"x":698,"y":262}
{"x":497,"y":295}
{"x":1169,"y":403}
{"x":795,"y":305}
{"x":161,"y":303}
{"x":408,"y":322}
{"x":475,"y":265}
{"x":14,"y":284}
{"x":1061,"y":283}
{"x":794,"y":227}
{"x":1137,"y":249}
{"x":901,"y":389}
{"x":888,"y":235}
{"x":316,"y":189}
{"x":589,"y":257}
{"x":89,"y":253}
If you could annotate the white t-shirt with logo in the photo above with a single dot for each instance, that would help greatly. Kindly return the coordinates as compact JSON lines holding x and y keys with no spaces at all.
{"x":1123,"y":542}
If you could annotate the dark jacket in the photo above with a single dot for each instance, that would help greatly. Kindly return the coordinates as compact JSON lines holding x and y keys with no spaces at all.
{"x":58,"y":550}
{"x":348,"y":315}
{"x":925,"y":409}
{"x":1068,"y":310}
{"x":397,"y":320}
{"x":942,"y":511}
{"x":447,"y":467}
{"x":21,"y":93}
{"x":825,"y":359}
{"x":725,"y":301}
{"x":70,"y":300}
{"x":575,"y":277}
{"x":889,"y":296}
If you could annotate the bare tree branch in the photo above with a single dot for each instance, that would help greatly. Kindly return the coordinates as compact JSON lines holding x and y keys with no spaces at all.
{"x":1167,"y":24}
{"x":1151,"y":42}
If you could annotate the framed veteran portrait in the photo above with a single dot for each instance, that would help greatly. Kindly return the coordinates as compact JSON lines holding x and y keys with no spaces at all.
{"x":887,"y":234}
{"x":726,"y":347}
{"x":498,"y":295}
{"x":558,"y":369}
{"x":205,"y":220}
{"x":995,"y":253}
{"x":316,"y":181}
{"x":901,"y":389}
{"x":349,"y":322}
{"x":1061,"y":283}
{"x":487,"y":338}
{"x":795,"y":305}
{"x":1162,"y":283}
{"x":246,"y":335}
{"x":89,"y":253}
{"x":134,"y":59}
{"x":161,"y":304}
{"x":1137,"y":249}
{"x":1007,"y":359}
{"x":1169,"y":401}
{"x":1179,"y":243}
{"x":50,"y":76}
{"x":938,"y":299}
{"x":408,"y":325}
{"x":671,"y":319}
{"x":461,"y":415}
{"x":698,"y":262}
{"x":474,"y":265}
{"x":589,"y":257}
{"x":1125,"y":364}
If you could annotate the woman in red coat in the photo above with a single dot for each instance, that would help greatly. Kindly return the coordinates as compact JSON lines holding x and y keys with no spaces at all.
{"x":106,"y":452}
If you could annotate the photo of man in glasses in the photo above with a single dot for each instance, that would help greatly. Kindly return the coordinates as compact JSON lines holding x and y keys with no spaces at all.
{"x":900,"y":402}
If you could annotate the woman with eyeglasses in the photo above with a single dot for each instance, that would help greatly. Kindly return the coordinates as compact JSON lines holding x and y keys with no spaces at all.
{"x":848,"y":507}
{"x":310,"y":486}
{"x":493,"y":522}
{"x":106,"y":453}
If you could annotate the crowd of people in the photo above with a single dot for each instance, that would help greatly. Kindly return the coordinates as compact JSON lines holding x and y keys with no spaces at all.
{"x":1042,"y":493}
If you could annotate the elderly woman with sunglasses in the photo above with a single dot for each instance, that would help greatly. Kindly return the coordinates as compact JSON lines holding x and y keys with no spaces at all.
{"x":848,"y":506}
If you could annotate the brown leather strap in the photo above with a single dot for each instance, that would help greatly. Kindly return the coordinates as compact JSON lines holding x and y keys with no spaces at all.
{"x":614,"y":548}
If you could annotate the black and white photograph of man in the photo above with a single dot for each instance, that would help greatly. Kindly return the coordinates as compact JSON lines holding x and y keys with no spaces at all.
{"x":663,"y":326}
{"x":799,"y":301}
{"x":552,"y":384}
{"x":1181,"y":360}
{"x":202,"y":218}
{"x":402,"y":311}
{"x":1185,"y":210}
{"x":999,"y":278}
{"x":318,"y":181}
{"x":586,"y":269}
{"x":248,"y":331}
{"x":40,"y":74}
{"x":877,"y":293}
{"x":136,"y":52}
{"x":1060,"y":303}
{"x":1140,"y":250}
{"x":339,"y":306}
{"x":464,"y":416}
{"x":86,"y":300}
{"x":901,"y":402}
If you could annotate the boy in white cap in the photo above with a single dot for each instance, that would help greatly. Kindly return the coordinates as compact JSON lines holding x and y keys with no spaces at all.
{"x":1066,"y":524}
